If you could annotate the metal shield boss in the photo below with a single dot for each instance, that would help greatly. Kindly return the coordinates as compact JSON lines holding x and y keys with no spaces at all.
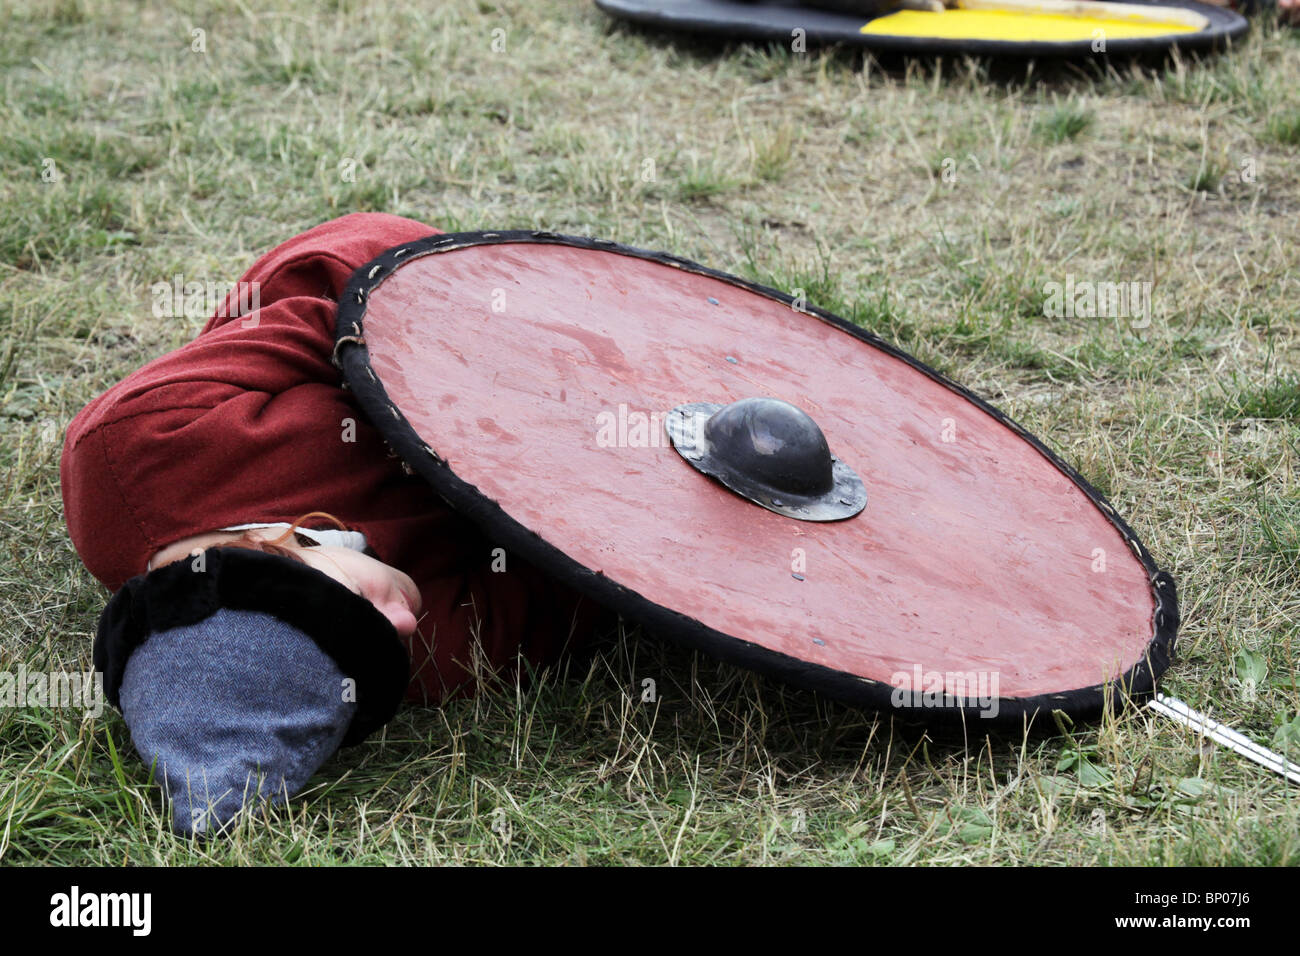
{"x":765,"y":482}
{"x":770,"y":452}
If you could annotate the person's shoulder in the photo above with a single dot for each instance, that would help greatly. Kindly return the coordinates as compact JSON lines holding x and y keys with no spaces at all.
{"x":355,"y":238}
{"x":319,"y":262}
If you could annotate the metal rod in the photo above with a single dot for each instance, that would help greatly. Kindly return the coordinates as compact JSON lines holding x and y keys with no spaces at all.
{"x":1175,"y":709}
{"x":1195,"y":719}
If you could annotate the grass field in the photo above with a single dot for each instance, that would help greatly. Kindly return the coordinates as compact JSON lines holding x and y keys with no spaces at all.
{"x":931,"y":204}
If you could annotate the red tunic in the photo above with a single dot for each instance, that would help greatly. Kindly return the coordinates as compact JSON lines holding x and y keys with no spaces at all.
{"x":249,"y":423}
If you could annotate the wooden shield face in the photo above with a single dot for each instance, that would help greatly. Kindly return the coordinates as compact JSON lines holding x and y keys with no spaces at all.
{"x":527,"y":376}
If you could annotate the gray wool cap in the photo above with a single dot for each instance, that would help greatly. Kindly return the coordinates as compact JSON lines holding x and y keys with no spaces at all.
{"x":232,"y":710}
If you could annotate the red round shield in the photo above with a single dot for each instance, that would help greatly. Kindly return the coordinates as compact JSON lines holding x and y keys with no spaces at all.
{"x":528,"y":376}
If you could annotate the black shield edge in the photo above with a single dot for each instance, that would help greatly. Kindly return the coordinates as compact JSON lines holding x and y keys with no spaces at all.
{"x":1136,"y":685}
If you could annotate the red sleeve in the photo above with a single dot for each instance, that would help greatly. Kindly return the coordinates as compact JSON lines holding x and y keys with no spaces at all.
{"x":243,"y":419}
{"x":318,"y":263}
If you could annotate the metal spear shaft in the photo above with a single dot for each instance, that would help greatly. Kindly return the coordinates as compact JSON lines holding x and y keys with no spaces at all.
{"x":1175,"y":709}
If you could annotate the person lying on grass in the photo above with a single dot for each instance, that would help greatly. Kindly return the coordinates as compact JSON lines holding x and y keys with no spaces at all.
{"x":245,"y":643}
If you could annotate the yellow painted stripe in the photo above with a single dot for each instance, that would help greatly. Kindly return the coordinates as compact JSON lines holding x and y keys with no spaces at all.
{"x":1013,"y":27}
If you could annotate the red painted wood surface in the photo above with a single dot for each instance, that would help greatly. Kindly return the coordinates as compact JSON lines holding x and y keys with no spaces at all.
{"x":974,"y":555}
